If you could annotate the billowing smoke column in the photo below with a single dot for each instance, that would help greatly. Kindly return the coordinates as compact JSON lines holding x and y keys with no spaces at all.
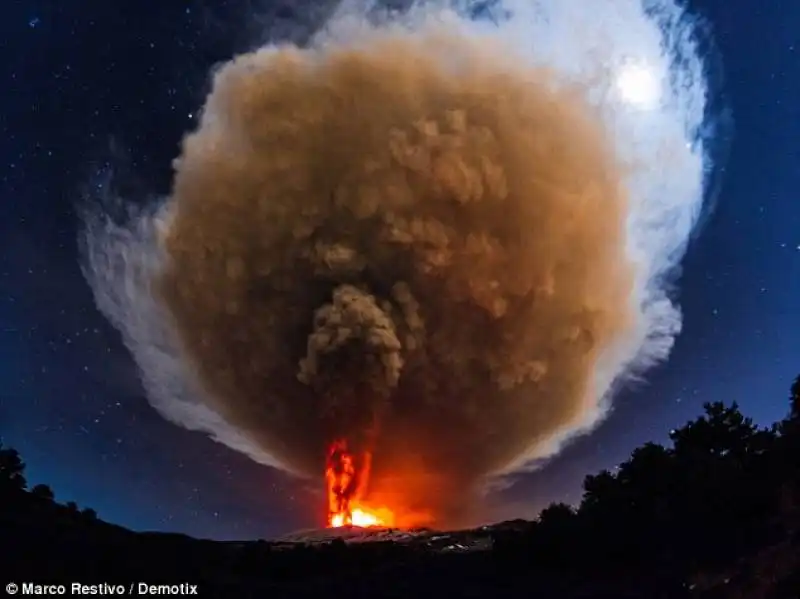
{"x":439,"y":238}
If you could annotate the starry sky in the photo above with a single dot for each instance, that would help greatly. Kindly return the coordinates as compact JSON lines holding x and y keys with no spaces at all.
{"x":92,"y":87}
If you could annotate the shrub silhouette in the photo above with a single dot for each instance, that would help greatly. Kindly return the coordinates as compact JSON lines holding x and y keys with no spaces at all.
{"x":12,"y":469}
{"x":44,"y":492}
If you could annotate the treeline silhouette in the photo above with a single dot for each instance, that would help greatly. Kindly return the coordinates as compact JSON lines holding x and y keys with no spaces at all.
{"x":716,"y":513}
{"x":12,"y":479}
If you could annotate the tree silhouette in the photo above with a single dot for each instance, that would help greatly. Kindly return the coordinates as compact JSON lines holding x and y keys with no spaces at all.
{"x":790,"y":427}
{"x":722,"y":480}
{"x":44,"y":492}
{"x":72,"y":507}
{"x":12,"y":469}
{"x":599,"y":492}
{"x":722,"y":431}
{"x":89,"y":513}
{"x":794,"y":400}
{"x":557,"y":517}
{"x":784,"y":464}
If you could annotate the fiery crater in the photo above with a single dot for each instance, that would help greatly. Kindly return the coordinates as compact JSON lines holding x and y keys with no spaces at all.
{"x":346,"y":477}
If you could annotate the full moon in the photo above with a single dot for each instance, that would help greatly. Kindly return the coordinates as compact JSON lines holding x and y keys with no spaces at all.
{"x":638,"y":86}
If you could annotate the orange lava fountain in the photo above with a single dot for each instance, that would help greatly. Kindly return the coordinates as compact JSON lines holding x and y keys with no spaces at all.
{"x":346,"y":478}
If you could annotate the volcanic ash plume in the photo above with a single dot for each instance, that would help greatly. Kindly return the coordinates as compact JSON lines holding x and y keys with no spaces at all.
{"x":420,"y":242}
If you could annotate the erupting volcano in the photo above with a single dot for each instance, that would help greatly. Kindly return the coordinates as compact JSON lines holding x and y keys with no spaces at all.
{"x":439,"y":239}
{"x":346,"y":477}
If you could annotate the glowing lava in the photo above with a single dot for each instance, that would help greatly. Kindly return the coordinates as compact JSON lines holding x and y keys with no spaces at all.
{"x":346,"y":478}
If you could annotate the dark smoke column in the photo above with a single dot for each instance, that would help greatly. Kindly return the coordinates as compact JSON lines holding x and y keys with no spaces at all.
{"x":411,"y":246}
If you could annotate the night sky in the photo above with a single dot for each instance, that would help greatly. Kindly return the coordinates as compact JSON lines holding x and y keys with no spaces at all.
{"x":94,"y":89}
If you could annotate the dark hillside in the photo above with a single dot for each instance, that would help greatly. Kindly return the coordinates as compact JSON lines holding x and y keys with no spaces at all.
{"x":715,"y":515}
